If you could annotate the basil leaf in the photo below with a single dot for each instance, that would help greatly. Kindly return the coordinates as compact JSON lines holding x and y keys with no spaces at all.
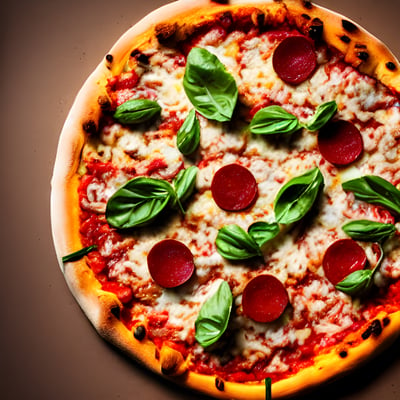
{"x":185,"y":182}
{"x":297,"y":196}
{"x":322,"y":116}
{"x":188,"y":136}
{"x":268,"y":395}
{"x":77,"y":255}
{"x":360,"y":282}
{"x":370,"y":231}
{"x":262,"y":232}
{"x":234,"y":243}
{"x":137,"y":111}
{"x":138,"y":202}
{"x":356,"y":283}
{"x":375,"y":190}
{"x":213,"y":317}
{"x":273,"y":120}
{"x":209,"y":86}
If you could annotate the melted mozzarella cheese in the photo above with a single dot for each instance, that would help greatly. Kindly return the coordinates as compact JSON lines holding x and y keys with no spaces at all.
{"x":293,"y":255}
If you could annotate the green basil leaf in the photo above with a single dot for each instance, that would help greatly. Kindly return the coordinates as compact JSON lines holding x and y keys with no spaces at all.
{"x":234,"y":243}
{"x":375,"y":190}
{"x":356,"y":283}
{"x":297,"y":196}
{"x":262,"y":232}
{"x":188,"y":136}
{"x":370,"y":231}
{"x":268,"y":395}
{"x":209,"y":86}
{"x":323,"y":114}
{"x":359,"y":282}
{"x":77,"y":255}
{"x":138,"y":202}
{"x":272,"y":120}
{"x":137,"y":111}
{"x":214,"y":315}
{"x":185,"y":182}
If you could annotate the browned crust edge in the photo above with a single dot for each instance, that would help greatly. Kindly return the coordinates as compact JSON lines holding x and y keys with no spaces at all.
{"x":100,"y":306}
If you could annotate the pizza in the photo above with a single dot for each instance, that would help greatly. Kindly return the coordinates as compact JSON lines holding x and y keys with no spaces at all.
{"x":225,"y":197}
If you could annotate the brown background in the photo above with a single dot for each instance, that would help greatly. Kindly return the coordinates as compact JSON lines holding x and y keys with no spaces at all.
{"x":48,"y":348}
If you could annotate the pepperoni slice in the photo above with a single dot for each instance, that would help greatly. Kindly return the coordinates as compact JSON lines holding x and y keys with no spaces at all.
{"x":264,"y":298}
{"x":234,"y":187}
{"x":342,"y":258}
{"x":340,"y":142}
{"x":294,"y":59}
{"x":170,"y":263}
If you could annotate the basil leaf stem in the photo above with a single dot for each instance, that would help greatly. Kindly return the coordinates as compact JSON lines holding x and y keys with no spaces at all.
{"x":323,"y":114}
{"x":297,"y":196}
{"x":188,"y":136}
{"x":359,"y":282}
{"x":214,"y":315}
{"x":268,"y":395}
{"x":274,"y":120}
{"x":234,"y":243}
{"x":370,"y":231}
{"x":136,"y":111}
{"x":77,"y":255}
{"x":209,"y":86}
{"x":263,"y":232}
{"x":376,"y":190}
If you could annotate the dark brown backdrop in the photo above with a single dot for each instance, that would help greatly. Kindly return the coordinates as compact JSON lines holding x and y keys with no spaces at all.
{"x":48,"y":348}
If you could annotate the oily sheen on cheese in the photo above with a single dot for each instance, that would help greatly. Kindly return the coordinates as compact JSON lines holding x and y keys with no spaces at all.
{"x":318,"y":315}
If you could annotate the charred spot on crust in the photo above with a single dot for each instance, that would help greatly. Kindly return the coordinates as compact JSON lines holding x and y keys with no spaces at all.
{"x":104,"y":103}
{"x":349,"y":26}
{"x":386,"y":321}
{"x":306,"y":16}
{"x":165,"y":32}
{"x":258,"y":18}
{"x":226,"y":20}
{"x":343,"y":354}
{"x":345,"y":39}
{"x":89,"y":127}
{"x":375,"y":329}
{"x":219,"y":384}
{"x":316,"y":29}
{"x":139,"y":333}
{"x":390,"y":66}
{"x":140,"y":57}
{"x":143,"y":59}
{"x":307,"y":4}
{"x":116,"y":311}
{"x":109,"y":58}
{"x":221,"y":1}
{"x":363,"y":55}
{"x":135,"y":53}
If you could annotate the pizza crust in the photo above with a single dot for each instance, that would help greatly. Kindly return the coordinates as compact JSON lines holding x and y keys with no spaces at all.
{"x":102,"y":308}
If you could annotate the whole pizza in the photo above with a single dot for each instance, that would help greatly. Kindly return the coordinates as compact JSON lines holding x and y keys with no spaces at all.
{"x":225,"y":197}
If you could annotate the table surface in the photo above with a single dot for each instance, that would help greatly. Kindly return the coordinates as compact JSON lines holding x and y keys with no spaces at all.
{"x":49,"y":350}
